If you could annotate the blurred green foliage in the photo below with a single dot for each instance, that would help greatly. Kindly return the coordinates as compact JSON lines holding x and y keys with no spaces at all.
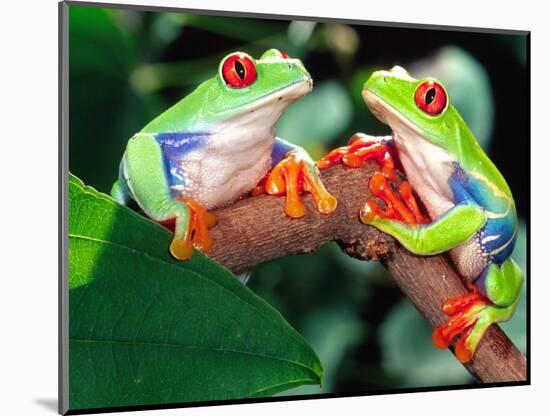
{"x":127,"y":66}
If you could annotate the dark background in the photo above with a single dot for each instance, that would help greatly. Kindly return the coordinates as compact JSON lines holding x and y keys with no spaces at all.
{"x":126,"y":67}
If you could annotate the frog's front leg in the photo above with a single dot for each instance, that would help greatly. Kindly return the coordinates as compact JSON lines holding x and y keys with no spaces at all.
{"x":145,"y":177}
{"x":294,"y":171}
{"x":453,"y":228}
{"x":360,"y":149}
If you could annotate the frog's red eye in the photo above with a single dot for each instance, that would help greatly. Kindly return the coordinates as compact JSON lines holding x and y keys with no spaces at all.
{"x":238,"y":70}
{"x":430,"y":97}
{"x":284,"y":55}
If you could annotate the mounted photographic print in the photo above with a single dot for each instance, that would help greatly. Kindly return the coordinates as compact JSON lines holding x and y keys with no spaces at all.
{"x":267,"y":208}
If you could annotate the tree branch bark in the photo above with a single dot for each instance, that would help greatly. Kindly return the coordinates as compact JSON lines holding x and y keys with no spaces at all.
{"x":259,"y":231}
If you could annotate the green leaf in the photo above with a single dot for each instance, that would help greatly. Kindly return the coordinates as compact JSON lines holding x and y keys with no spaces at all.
{"x":147,"y":329}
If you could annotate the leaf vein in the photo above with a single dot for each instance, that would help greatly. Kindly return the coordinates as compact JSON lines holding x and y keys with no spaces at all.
{"x":207,"y":348}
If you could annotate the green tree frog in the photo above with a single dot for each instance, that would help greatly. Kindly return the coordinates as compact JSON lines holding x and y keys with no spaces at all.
{"x":216,"y":145}
{"x":471,"y":206}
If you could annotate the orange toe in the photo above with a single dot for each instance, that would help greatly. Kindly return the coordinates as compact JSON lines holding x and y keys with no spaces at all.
{"x":292,"y":176}
{"x":181,"y":249}
{"x":462,"y":352}
{"x":198,"y":235}
{"x":360,"y":150}
{"x":396,"y":208}
{"x":462,"y":302}
{"x":464,"y":311}
{"x":406,"y":194}
{"x":369,"y":211}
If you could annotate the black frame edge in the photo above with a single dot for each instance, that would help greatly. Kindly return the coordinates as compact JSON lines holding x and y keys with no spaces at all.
{"x":63,"y":154}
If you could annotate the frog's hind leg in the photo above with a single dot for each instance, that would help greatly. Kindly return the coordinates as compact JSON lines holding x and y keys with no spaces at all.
{"x":120,"y":192}
{"x":143,"y":162}
{"x":471,"y":314}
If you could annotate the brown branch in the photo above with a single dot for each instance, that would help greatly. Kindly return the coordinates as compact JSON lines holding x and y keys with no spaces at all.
{"x":259,"y":231}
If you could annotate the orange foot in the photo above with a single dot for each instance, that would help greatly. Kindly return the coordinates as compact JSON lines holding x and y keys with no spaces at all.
{"x":197,"y":235}
{"x":401,"y":207}
{"x":291,"y":176}
{"x":362,"y":148}
{"x":464,"y":311}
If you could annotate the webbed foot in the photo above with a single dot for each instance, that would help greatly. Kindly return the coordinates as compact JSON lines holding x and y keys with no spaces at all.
{"x":295,"y":174}
{"x":400,"y":206}
{"x":471,"y":314}
{"x":360,"y":149}
{"x":465,"y":312}
{"x":197,"y":235}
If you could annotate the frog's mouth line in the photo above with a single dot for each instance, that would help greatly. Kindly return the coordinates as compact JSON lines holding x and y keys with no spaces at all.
{"x":385,"y":112}
{"x":263,"y":113}
{"x":293,"y":91}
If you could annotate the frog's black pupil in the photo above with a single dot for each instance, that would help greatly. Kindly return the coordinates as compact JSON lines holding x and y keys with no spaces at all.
{"x":430,"y":95}
{"x":241,"y":72}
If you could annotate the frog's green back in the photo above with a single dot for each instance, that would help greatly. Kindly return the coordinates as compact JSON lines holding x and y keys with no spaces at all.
{"x":471,"y":157}
{"x":187,"y":114}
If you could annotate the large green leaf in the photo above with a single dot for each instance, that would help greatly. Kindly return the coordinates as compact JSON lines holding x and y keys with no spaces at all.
{"x":146,"y":329}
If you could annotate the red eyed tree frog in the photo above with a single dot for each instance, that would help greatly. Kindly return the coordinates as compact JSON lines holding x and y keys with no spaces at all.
{"x":473,"y":211}
{"x":216,"y":145}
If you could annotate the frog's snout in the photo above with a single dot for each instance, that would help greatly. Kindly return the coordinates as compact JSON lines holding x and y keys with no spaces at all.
{"x":298,"y":65}
{"x":305,"y":77}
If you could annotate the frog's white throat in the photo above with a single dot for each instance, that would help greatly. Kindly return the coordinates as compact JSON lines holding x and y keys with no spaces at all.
{"x":256,"y":123}
{"x":239,"y":151}
{"x":428,"y":167}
